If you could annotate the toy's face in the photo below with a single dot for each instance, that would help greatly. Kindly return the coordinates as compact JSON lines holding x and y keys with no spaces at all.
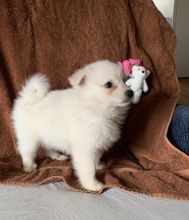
{"x":139,"y":71}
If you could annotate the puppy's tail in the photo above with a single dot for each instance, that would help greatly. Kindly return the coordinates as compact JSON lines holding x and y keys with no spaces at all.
{"x":35,"y":89}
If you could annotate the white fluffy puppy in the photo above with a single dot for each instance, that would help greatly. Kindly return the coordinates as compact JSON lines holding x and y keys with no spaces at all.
{"x":82,"y":121}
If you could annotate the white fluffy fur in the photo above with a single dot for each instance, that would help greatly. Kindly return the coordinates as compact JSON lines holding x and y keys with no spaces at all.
{"x":82,"y":121}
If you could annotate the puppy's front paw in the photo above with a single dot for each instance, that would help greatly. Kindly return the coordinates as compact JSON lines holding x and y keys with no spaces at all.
{"x":95,"y":186}
{"x":30,"y":168}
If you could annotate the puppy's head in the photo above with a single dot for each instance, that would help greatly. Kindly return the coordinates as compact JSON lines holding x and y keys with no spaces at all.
{"x":102,"y":82}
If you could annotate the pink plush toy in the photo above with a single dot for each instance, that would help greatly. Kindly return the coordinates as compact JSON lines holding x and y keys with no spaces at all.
{"x":127,"y":65}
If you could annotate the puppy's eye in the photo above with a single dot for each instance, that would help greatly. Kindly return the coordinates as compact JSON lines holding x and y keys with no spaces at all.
{"x":109,"y":85}
{"x":142,"y":71}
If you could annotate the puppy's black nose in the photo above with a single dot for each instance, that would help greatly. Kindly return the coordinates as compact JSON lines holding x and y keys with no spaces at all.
{"x":129,"y":93}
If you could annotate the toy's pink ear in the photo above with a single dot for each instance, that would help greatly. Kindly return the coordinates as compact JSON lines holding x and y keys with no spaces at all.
{"x":126,"y":65}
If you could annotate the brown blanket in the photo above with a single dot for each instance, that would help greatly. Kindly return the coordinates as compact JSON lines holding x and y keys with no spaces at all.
{"x":55,"y":38}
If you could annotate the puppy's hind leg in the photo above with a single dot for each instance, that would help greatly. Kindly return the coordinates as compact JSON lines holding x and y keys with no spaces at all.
{"x":27,"y":148}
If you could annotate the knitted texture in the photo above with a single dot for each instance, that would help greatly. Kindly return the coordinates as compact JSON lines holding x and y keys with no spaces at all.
{"x":179,"y":128}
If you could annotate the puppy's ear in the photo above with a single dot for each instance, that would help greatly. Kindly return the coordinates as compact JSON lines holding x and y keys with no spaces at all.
{"x":77,"y":78}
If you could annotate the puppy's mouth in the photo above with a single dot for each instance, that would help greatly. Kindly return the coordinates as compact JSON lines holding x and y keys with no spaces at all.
{"x":125,"y":103}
